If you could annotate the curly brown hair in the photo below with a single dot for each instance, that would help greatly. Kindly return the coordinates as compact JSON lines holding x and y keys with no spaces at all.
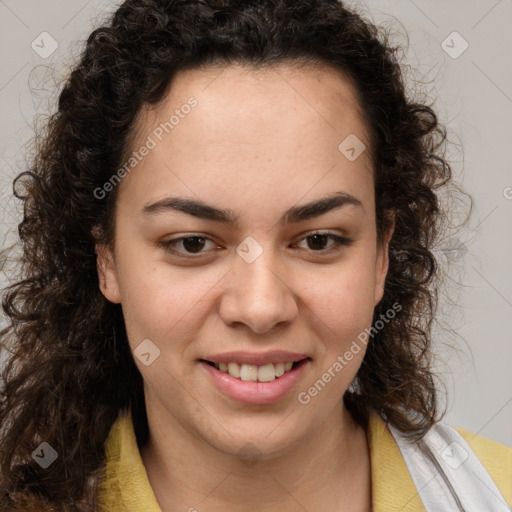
{"x":66,"y":345}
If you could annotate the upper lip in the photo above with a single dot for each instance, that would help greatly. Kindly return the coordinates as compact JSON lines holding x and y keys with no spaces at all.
{"x":256,"y":358}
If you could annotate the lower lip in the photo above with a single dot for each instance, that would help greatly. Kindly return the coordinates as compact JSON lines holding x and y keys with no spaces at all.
{"x":250,"y":392}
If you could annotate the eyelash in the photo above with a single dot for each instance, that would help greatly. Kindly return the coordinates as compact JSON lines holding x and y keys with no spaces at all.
{"x":340,"y":242}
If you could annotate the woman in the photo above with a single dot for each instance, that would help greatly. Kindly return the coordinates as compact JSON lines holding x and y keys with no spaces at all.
{"x":227,"y":241}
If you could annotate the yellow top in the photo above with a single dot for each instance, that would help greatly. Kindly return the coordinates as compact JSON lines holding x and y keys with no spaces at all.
{"x":125,"y":485}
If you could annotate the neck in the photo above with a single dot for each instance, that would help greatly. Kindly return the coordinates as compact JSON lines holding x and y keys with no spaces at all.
{"x":329,"y":470}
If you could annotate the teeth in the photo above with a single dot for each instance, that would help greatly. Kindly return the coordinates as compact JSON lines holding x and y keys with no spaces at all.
{"x":248,"y":372}
{"x":267,"y":373}
{"x":279,"y":369}
{"x":251,"y":372}
{"x":233,"y":370}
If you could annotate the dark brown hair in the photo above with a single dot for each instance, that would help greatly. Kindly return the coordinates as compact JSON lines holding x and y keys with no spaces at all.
{"x":66,"y":345}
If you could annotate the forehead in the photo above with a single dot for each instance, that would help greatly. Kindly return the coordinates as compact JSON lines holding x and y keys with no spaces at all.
{"x":274,"y":127}
{"x":311,"y":91}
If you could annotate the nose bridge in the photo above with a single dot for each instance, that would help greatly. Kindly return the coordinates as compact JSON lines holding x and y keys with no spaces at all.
{"x":259,"y":296}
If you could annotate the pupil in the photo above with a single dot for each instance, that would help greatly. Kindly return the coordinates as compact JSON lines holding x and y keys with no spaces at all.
{"x":319,"y":238}
{"x":193,"y":247}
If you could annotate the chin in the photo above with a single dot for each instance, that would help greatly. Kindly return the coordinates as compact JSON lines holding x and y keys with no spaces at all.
{"x":264,"y":443}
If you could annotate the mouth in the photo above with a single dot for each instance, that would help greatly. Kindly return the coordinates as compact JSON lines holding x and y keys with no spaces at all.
{"x":241,"y":382}
{"x":256,"y":373}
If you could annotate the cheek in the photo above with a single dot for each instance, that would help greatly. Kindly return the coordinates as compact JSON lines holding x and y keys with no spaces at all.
{"x":161,"y":302}
{"x":344,"y":296}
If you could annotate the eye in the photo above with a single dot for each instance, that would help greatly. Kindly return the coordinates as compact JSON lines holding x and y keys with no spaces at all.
{"x":319,"y":238}
{"x":192,"y":244}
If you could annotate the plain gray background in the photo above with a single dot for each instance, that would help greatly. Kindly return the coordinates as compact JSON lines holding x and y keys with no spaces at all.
{"x":473,"y":96}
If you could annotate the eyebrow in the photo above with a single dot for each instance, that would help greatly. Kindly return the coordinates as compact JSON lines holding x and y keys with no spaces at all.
{"x":295,"y":214}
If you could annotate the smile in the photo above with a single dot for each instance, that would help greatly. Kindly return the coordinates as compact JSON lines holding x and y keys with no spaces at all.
{"x":251,"y":372}
{"x":254,"y":384}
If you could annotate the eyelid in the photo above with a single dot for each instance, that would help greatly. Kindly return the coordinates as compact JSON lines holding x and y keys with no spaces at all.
{"x":340,"y":241}
{"x":167,"y":245}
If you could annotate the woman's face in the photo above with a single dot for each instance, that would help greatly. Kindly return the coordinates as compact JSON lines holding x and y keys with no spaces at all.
{"x":255,"y":146}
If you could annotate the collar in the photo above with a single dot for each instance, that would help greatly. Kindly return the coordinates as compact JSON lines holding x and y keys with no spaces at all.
{"x":124,"y":484}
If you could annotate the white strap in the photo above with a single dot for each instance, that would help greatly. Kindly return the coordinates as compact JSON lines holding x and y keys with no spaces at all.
{"x":447,"y":473}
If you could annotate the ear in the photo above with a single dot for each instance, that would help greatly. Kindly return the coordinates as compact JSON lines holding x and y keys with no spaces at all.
{"x":107,"y":273}
{"x":382,"y":260}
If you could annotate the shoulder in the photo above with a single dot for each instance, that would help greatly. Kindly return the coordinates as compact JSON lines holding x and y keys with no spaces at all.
{"x":399,"y":463}
{"x":495,"y":457}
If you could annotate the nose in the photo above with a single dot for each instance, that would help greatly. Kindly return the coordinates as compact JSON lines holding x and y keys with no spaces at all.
{"x":258,"y":294}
